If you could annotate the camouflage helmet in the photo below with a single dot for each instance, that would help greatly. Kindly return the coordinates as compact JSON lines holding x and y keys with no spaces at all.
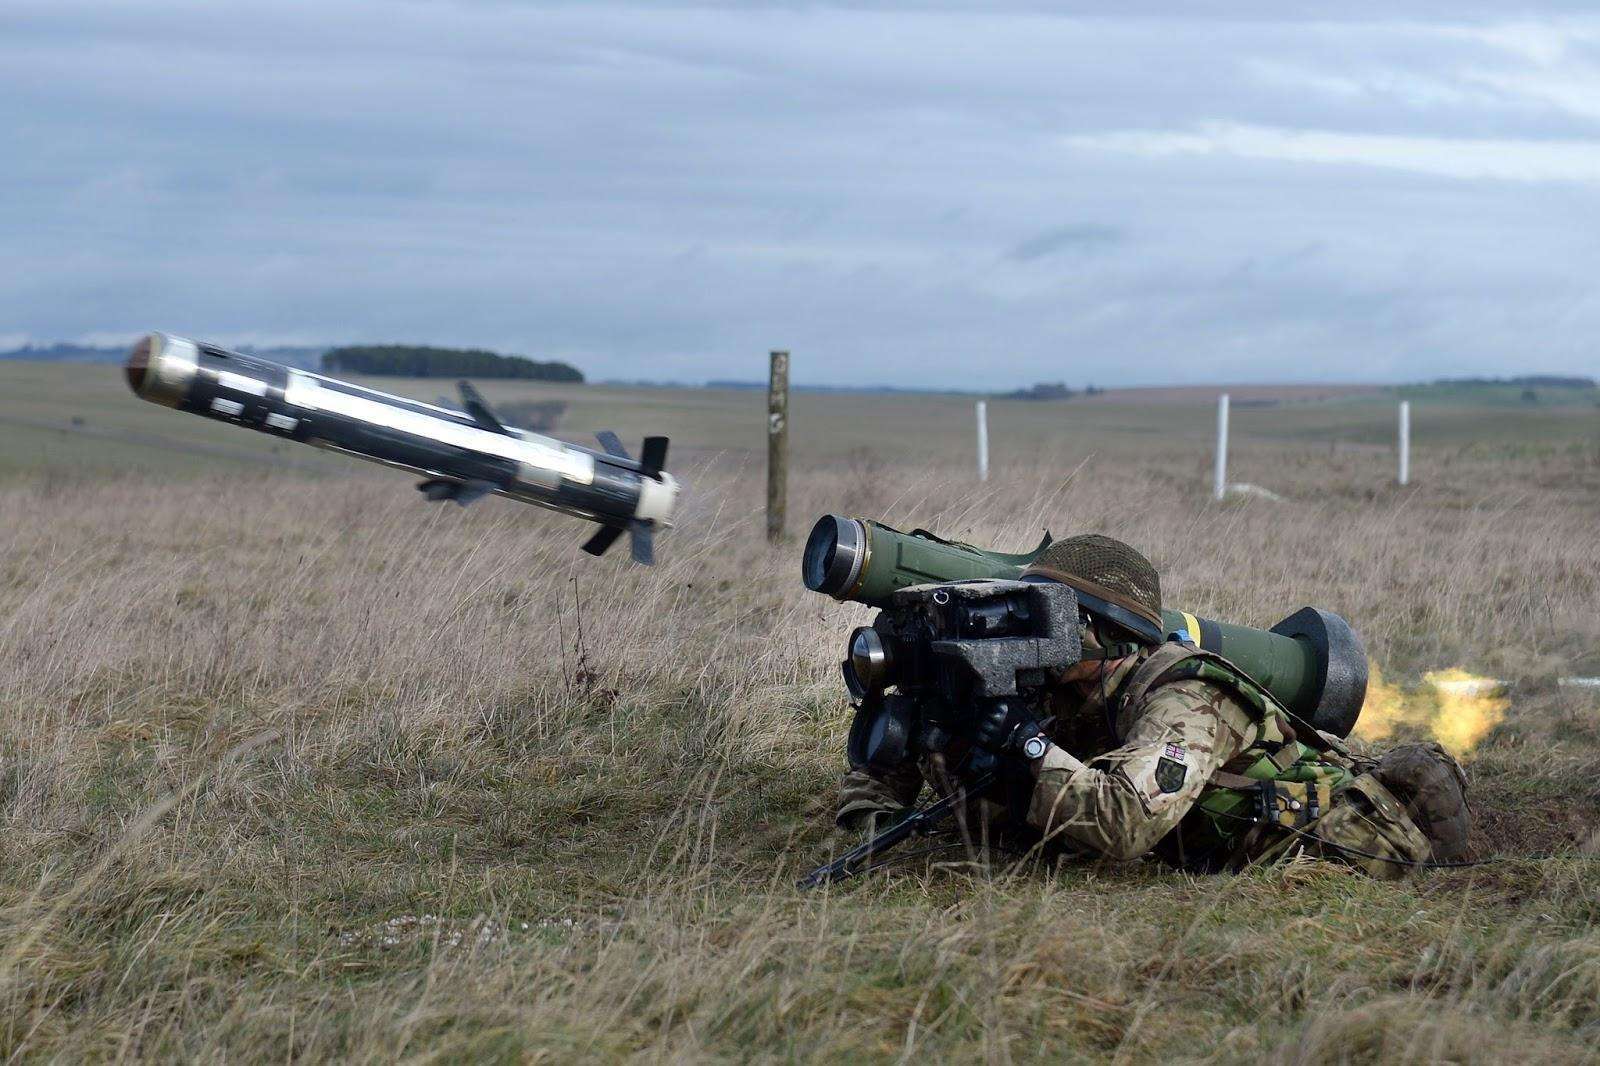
{"x":1113,"y":581}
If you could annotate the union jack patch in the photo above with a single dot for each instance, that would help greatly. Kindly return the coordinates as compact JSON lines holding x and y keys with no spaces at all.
{"x":1176,"y":753}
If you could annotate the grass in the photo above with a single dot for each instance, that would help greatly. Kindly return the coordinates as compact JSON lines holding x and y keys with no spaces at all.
{"x":297,"y":767}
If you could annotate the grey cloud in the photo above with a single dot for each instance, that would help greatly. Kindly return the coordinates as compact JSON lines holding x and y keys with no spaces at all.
{"x":1079,"y":236}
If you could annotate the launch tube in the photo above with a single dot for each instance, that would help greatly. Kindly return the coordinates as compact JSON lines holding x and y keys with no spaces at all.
{"x":1312,"y":661}
{"x":462,"y":455}
{"x":868,"y":562}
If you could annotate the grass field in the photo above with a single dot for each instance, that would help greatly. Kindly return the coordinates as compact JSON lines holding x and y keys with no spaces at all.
{"x":295,"y":766}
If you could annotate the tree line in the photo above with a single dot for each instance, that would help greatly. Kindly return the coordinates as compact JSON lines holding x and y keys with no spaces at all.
{"x":1530,"y":381}
{"x":1049,"y":390}
{"x":420,"y":361}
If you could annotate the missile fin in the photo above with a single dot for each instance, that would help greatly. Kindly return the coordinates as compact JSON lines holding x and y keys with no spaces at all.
{"x":612,"y":444}
{"x":460,"y":492}
{"x":479,"y":409}
{"x":473,"y":490}
{"x":602,"y":540}
{"x":653,"y":457}
{"x":641,"y":538}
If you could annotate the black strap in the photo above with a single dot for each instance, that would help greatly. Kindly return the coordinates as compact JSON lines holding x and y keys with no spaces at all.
{"x":1114,"y":651}
{"x":1139,"y":627}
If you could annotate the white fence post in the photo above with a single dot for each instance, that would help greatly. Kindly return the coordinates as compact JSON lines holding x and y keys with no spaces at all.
{"x":983,"y":441}
{"x":1405,"y":442}
{"x":1221,"y":489}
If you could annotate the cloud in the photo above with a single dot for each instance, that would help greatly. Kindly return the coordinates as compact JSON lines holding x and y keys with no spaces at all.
{"x":658,"y":190}
{"x":1079,"y":236}
{"x":1503,"y":160}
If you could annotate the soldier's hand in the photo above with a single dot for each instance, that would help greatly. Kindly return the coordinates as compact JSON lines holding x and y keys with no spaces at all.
{"x":1004,"y":729}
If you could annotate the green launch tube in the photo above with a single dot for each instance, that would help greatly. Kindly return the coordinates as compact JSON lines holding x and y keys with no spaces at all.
{"x":865,"y":561}
{"x":1311,"y":661}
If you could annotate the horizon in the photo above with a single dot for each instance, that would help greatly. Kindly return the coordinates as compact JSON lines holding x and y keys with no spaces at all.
{"x":1079,"y":390}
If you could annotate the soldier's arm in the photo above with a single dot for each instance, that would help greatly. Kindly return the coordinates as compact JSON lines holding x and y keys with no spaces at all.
{"x":1125,"y":801}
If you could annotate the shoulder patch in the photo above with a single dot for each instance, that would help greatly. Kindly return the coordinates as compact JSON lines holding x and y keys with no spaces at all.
{"x":1170,"y":772}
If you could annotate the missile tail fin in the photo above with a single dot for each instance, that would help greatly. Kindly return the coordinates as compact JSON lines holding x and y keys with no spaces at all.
{"x":602,"y":540}
{"x":653,"y":457}
{"x":641,"y":538}
{"x":641,"y":541}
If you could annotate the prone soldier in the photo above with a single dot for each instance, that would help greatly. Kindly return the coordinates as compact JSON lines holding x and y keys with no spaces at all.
{"x":1154,"y":746}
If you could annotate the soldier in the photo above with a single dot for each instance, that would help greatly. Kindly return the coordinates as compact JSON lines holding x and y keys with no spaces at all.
{"x":1157,"y":747}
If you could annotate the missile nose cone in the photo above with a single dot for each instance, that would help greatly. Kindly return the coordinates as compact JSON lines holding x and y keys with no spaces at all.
{"x":139,"y":363}
{"x":161,"y":369}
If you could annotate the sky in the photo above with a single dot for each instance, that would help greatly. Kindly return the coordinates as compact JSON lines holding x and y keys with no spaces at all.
{"x":954,"y":195}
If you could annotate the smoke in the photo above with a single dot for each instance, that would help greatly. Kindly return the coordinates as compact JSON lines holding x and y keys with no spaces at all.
{"x":1456,"y":708}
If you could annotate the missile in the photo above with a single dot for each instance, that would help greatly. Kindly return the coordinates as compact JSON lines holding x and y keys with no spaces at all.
{"x":461,"y":455}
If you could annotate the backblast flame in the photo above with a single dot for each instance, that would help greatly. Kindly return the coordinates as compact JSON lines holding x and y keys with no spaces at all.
{"x":1468,"y":707}
{"x":1385,"y":709}
{"x":1456,"y":708}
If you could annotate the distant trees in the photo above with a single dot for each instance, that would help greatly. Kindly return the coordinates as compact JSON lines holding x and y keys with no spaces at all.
{"x":1049,"y":390}
{"x":418,"y":361}
{"x":1527,"y":381}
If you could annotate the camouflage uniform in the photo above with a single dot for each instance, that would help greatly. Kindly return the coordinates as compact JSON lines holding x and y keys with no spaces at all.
{"x":1151,"y":781}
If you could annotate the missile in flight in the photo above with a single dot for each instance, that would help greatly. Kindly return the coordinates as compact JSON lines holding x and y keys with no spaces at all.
{"x":461,"y":455}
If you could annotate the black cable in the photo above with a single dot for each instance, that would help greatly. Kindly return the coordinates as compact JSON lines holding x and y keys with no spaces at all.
{"x":1105,"y":706}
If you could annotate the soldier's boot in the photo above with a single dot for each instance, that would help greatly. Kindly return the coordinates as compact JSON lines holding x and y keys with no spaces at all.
{"x":1433,"y":787}
{"x":870,"y":800}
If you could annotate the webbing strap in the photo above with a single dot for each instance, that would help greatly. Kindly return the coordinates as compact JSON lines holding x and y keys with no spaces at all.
{"x":1284,"y":756}
{"x":1278,"y":727}
{"x":1286,"y":803}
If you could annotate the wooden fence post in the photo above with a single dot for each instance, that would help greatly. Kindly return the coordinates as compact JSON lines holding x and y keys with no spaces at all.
{"x":777,"y":446}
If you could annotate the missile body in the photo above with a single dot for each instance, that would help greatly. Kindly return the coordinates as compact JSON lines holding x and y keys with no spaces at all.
{"x":462,"y":455}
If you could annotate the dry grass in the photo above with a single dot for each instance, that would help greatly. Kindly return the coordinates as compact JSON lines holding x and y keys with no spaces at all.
{"x":299,"y":768}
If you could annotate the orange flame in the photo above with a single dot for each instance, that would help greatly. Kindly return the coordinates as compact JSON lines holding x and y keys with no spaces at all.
{"x":1456,"y":708}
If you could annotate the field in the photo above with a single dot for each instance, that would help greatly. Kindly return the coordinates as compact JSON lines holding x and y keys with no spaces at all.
{"x":295,"y":766}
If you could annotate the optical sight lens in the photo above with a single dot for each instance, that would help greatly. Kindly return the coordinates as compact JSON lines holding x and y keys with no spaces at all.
{"x":869,"y":659}
{"x":833,"y":555}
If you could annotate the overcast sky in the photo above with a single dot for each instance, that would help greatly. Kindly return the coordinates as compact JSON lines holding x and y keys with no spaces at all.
{"x":947,"y":194}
